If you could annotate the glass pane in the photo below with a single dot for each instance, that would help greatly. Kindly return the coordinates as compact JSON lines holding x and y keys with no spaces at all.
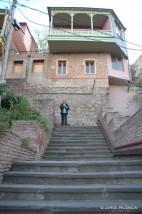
{"x":92,"y":68}
{"x":64,"y":68}
{"x":119,"y":66}
{"x":87,"y":68}
{"x":59,"y":69}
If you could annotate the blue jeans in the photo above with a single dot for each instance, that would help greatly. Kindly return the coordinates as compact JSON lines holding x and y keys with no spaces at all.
{"x":63,"y":119}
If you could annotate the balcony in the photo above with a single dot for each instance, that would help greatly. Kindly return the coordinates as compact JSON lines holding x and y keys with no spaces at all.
{"x":84,"y":32}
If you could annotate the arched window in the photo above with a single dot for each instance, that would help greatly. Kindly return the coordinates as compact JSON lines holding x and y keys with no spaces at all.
{"x":81,"y":21}
{"x":62,"y":20}
{"x":101,"y":22}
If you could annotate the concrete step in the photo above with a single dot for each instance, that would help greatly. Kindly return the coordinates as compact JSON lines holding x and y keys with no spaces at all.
{"x":76,"y":150}
{"x":116,"y":177}
{"x":76,"y":147}
{"x":70,"y":192}
{"x":78,"y":166}
{"x":76,"y":153}
{"x":76,"y":128}
{"x":83,"y":132}
{"x":71,"y":158}
{"x":73,"y":134}
{"x":71,"y":207}
{"x":101,"y":137}
{"x":77,"y":142}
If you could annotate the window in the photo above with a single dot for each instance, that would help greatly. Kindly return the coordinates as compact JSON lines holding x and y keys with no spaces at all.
{"x":38,"y":66}
{"x":89,"y":66}
{"x":18,"y":65}
{"x":62,"y":67}
{"x":117,"y":63}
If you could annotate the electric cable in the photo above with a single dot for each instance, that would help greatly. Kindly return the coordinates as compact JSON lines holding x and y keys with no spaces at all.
{"x":73,"y":33}
{"x":37,"y":10}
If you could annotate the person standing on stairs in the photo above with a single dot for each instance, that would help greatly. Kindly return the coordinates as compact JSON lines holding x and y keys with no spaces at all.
{"x":64,"y":108}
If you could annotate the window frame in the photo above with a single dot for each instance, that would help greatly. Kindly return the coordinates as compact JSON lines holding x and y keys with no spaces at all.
{"x":85,"y":70}
{"x":117,"y":62}
{"x":57,"y":64}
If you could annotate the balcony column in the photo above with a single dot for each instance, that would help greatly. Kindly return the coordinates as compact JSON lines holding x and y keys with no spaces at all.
{"x":112,"y":23}
{"x":72,"y":15}
{"x":91,"y":17}
{"x":51,"y":24}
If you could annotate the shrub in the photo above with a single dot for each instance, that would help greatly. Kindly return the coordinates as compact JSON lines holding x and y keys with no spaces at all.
{"x":3,"y":88}
{"x":5,"y":121}
{"x":24,"y":142}
{"x":19,"y":108}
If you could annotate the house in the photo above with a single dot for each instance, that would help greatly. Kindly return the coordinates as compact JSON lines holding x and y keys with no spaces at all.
{"x":22,"y":40}
{"x":87,"y":65}
{"x":4,"y":31}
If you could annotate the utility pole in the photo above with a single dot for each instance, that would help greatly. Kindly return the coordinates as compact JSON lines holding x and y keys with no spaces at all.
{"x":8,"y":39}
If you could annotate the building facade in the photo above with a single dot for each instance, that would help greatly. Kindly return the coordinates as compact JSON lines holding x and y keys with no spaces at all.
{"x":5,"y":20}
{"x":87,"y":65}
{"x":22,"y":40}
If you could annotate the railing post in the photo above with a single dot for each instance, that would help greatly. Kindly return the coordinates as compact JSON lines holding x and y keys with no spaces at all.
{"x":91,"y":16}
{"x":72,"y":15}
{"x":51,"y":24}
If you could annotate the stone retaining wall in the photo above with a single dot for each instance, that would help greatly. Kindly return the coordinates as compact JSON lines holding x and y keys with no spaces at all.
{"x":25,"y":141}
{"x":11,"y":150}
{"x":37,"y":138}
{"x":82,"y":101}
{"x":131,"y":130}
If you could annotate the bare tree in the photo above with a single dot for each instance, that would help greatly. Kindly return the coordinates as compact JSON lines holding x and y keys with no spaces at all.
{"x":41,"y":38}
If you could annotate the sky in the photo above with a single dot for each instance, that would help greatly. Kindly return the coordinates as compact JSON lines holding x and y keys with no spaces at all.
{"x":128,"y":11}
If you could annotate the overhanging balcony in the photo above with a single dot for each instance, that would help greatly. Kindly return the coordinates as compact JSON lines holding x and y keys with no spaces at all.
{"x":77,"y":40}
{"x":84,"y":32}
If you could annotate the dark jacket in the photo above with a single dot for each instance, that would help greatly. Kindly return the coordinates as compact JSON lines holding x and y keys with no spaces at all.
{"x":64,"y":108}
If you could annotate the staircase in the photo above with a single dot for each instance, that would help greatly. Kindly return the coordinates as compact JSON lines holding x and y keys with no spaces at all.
{"x":78,"y":174}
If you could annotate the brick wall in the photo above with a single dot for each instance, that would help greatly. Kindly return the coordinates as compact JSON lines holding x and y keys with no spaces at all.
{"x":76,"y":74}
{"x":131,"y":130}
{"x":36,"y":136}
{"x":11,"y":150}
{"x":76,"y":66}
{"x":46,"y":89}
{"x":11,"y":147}
{"x":82,"y":101}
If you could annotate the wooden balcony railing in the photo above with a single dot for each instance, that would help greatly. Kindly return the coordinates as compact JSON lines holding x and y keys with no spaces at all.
{"x":77,"y":32}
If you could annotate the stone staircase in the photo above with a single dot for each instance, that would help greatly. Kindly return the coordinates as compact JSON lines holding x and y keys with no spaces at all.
{"x":78,"y":174}
{"x":118,"y":119}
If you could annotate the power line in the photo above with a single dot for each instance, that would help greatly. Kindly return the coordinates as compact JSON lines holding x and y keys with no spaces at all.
{"x":73,"y":33}
{"x":45,"y":13}
{"x":69,"y":31}
{"x":31,"y":20}
{"x":40,"y":11}
{"x":66,"y":31}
